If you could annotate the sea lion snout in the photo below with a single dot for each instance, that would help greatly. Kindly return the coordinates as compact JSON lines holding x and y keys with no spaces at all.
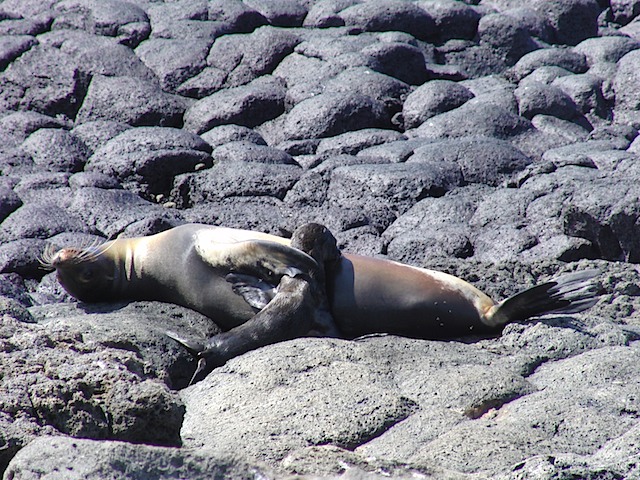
{"x":64,"y":256}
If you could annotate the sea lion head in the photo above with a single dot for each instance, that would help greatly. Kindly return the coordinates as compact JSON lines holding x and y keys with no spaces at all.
{"x":87,"y":274}
{"x":317,"y":241}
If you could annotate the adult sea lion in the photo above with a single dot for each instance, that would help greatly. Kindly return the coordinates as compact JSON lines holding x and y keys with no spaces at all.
{"x":230,"y":275}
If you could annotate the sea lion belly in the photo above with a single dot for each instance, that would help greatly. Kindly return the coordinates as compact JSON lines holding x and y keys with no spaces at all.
{"x":370,"y":295}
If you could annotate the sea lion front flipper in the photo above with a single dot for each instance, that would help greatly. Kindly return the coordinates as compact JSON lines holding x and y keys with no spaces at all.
{"x":193,"y":346}
{"x":291,"y":314}
{"x":262,"y":258}
{"x":255,"y":291}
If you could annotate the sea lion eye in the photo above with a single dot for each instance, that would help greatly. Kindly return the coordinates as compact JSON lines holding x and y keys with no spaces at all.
{"x":87,"y":275}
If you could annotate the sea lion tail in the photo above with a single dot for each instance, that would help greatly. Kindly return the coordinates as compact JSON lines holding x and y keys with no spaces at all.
{"x":570,"y":293}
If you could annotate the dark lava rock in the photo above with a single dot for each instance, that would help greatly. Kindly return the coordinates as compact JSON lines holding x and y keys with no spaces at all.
{"x":261,"y":213}
{"x":432,"y":98}
{"x":109,"y":212}
{"x":174,"y":61}
{"x":98,"y":55}
{"x":248,"y":105}
{"x":9,"y":202}
{"x":331,"y":114}
{"x":244,"y":58}
{"x":47,"y":186}
{"x":351,"y":143}
{"x":56,"y":150}
{"x":19,"y":125}
{"x":148,"y":158}
{"x":234,"y":179}
{"x":59,"y":92}
{"x":123,"y":20}
{"x":608,"y":215}
{"x":474,"y":119}
{"x":239,"y":17}
{"x":397,"y":186}
{"x":132,"y":101}
{"x":218,"y":136}
{"x":606,"y":49}
{"x":394,"y":15}
{"x":96,"y":133}
{"x":626,"y":82}
{"x":397,"y":59}
{"x":585,"y":90}
{"x":281,"y":13}
{"x":23,"y":257}
{"x":434,"y":228}
{"x":572,"y":20}
{"x":559,"y":57}
{"x":93,"y":460}
{"x":360,"y":80}
{"x":208,"y":81}
{"x":39,"y":220}
{"x":453,"y":19}
{"x":243,"y":151}
{"x":12,"y":46}
{"x":124,"y":400}
{"x":507,"y":36}
{"x":537,"y":98}
{"x":481,"y":159}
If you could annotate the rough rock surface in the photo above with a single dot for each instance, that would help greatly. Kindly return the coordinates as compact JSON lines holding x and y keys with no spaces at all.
{"x":490,"y":139}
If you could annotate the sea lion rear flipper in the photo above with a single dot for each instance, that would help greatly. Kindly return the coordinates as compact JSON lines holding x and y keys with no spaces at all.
{"x":569,"y":293}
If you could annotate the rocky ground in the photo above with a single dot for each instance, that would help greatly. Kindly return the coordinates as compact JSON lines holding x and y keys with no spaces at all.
{"x":495,"y":140}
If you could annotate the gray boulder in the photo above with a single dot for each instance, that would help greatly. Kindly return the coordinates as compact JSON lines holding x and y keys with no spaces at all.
{"x":431,"y":99}
{"x":12,"y":46}
{"x":248,"y":105}
{"x":93,"y":460}
{"x":572,"y":20}
{"x":539,"y":99}
{"x":148,"y":158}
{"x":60,"y":91}
{"x":137,"y":103}
{"x":481,"y":159}
{"x":113,"y":18}
{"x":390,"y":16}
{"x":244,"y":58}
{"x":231,"y":179}
{"x":168,"y":59}
{"x":56,"y":150}
{"x":330,"y":114}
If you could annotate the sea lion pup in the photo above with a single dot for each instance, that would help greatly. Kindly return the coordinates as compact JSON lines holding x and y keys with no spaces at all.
{"x":230,"y":274}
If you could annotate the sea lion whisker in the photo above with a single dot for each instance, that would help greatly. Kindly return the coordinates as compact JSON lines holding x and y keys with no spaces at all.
{"x":99,"y":250}
{"x":45,"y":259}
{"x":91,"y":252}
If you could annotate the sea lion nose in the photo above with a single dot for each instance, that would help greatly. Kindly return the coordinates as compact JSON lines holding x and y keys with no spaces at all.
{"x":61,"y":257}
